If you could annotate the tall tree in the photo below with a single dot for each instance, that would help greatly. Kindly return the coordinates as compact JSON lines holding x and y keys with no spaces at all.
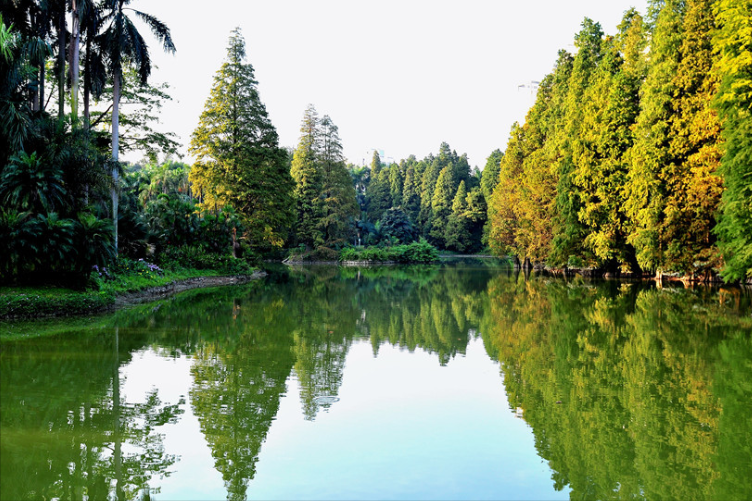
{"x":651,"y":155}
{"x":396,"y":184}
{"x":338,"y":193}
{"x":441,"y":206}
{"x":733,"y":44}
{"x":490,"y":175}
{"x":457,"y":231}
{"x":411,"y":194}
{"x":238,"y":158}
{"x":569,"y":233}
{"x":308,"y":182}
{"x":611,"y":106}
{"x":124,"y":46}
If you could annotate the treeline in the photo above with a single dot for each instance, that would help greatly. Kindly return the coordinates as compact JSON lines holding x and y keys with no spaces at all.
{"x":635,"y":155}
{"x":439,"y":198}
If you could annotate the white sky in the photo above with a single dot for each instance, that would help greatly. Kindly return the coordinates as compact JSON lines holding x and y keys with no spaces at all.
{"x":395,"y":75}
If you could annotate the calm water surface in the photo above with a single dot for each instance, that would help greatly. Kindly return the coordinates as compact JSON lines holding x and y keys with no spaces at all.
{"x":460,"y":381}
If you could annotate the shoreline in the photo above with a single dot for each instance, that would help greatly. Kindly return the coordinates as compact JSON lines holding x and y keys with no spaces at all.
{"x":93,"y":304}
{"x":164,"y":291}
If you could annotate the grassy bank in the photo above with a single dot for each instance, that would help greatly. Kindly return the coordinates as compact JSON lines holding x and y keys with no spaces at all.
{"x":105,"y":286}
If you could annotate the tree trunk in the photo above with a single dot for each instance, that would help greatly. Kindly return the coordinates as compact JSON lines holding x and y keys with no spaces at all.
{"x":61,"y":69}
{"x":115,"y":148}
{"x":87,"y":82}
{"x":75,"y":54}
{"x":41,"y":86}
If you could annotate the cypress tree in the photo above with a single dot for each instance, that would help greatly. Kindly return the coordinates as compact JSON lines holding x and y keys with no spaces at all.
{"x":441,"y":206}
{"x":651,"y":155}
{"x":238,"y":158}
{"x":733,"y":44}
{"x":411,"y":194}
{"x":693,"y":186}
{"x":611,"y":106}
{"x":490,"y":176}
{"x":457,"y":232}
{"x":339,"y":206}
{"x":569,"y":233}
{"x":308,"y":181}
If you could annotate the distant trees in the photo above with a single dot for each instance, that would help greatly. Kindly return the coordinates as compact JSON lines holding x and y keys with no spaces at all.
{"x":423,"y":193}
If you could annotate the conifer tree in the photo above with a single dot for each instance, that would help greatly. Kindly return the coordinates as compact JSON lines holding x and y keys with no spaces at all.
{"x":396,"y":184}
{"x":441,"y":206}
{"x":600,"y":163}
{"x":380,"y":197}
{"x":376,"y":199}
{"x":427,"y":186}
{"x":502,"y":216}
{"x":238,"y":160}
{"x":308,"y":181}
{"x":476,"y":216}
{"x":650,"y":156}
{"x":339,"y":206}
{"x":693,"y":186}
{"x":457,"y":232}
{"x":490,"y":175}
{"x":411,"y":194}
{"x":569,"y":232}
{"x":733,"y":44}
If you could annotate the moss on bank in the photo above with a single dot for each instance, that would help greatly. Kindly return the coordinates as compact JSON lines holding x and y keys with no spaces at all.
{"x":45,"y":301}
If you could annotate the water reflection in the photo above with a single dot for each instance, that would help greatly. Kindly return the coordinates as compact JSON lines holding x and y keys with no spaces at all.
{"x":630,"y":391}
{"x":66,"y":432}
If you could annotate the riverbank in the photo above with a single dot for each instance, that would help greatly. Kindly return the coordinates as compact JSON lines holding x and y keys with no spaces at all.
{"x":47,"y":302}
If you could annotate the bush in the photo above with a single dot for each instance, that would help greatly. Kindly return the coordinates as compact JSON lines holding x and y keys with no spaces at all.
{"x":416,"y":252}
{"x":198,"y":257}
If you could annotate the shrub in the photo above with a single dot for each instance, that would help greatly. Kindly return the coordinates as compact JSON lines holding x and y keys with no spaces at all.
{"x":416,"y":252}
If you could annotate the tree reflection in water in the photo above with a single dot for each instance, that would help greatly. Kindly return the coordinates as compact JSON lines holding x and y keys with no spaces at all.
{"x":630,"y":391}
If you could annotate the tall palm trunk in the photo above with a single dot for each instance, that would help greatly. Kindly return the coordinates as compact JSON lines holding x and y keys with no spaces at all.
{"x":115,"y":148}
{"x":87,"y":82}
{"x":75,"y":54}
{"x":61,"y":64}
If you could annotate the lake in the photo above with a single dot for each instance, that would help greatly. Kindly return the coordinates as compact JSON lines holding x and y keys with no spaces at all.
{"x":464,"y":380}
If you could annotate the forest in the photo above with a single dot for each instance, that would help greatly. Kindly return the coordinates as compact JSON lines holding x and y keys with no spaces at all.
{"x":634,"y":159}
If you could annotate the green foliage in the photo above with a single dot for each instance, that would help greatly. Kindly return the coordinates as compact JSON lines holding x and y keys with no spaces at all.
{"x":35,"y":303}
{"x":490,"y":176}
{"x":395,"y":223}
{"x":198,"y":257}
{"x":416,"y":252}
{"x":617,"y":163}
{"x":30,"y":184}
{"x":238,"y":160}
{"x":731,"y":43}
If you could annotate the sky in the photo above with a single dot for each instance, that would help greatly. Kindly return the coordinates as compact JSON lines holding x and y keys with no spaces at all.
{"x":397,"y":76}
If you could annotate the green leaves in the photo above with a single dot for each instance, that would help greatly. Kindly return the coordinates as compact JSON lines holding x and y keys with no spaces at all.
{"x":29,"y":184}
{"x":238,"y":160}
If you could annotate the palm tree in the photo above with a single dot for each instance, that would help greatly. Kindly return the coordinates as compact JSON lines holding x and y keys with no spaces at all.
{"x":29,"y":183}
{"x":124,"y":45}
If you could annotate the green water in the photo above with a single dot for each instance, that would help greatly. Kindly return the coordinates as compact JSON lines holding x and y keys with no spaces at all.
{"x":460,"y":381}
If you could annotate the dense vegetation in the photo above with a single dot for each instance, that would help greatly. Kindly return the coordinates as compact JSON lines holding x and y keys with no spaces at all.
{"x":635,"y":156}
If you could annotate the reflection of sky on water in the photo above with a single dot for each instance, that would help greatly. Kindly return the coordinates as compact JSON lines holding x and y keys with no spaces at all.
{"x":404,"y":428}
